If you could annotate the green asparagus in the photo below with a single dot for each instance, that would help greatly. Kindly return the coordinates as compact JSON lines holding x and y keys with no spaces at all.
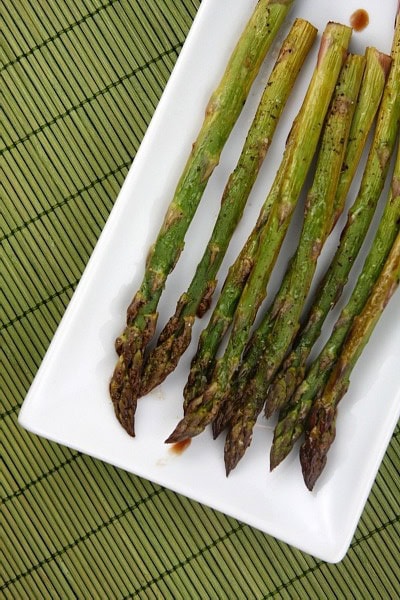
{"x":221,"y":114}
{"x":321,"y":423}
{"x":292,"y":417}
{"x":291,"y":423}
{"x":299,"y":151}
{"x":176,"y":335}
{"x":203,"y":362}
{"x":291,"y":373}
{"x":377,"y":66}
{"x":271,"y":340}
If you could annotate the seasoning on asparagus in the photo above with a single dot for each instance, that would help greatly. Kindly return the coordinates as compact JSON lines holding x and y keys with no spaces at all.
{"x":269,"y":344}
{"x":291,"y":420}
{"x":222,"y":112}
{"x":291,"y":427}
{"x":292,"y":372}
{"x":376,"y":68}
{"x":321,"y":423}
{"x":176,"y":335}
{"x":299,"y":151}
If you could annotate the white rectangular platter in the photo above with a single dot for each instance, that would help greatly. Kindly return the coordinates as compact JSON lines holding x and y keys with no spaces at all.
{"x":69,"y":402}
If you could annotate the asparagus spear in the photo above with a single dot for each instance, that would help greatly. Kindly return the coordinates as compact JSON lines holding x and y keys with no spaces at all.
{"x":221,"y":114}
{"x":297,"y":157}
{"x":291,"y":423}
{"x":291,"y":373}
{"x":321,"y":426}
{"x":269,"y":343}
{"x":291,"y":419}
{"x":176,"y":335}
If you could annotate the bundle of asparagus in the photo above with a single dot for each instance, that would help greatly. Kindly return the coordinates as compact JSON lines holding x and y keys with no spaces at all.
{"x":376,"y":67}
{"x":176,"y":335}
{"x":245,"y":287}
{"x":353,"y":235}
{"x":292,"y":417}
{"x":321,"y":426}
{"x":341,"y":102}
{"x":268,"y":345}
{"x":222,"y":112}
{"x":272,"y":339}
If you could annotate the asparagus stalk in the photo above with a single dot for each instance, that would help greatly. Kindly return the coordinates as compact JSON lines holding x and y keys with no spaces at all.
{"x":321,"y":426}
{"x":222,"y":112}
{"x":292,"y":372}
{"x":299,"y":151}
{"x":176,"y":335}
{"x":269,"y":343}
{"x":291,"y":420}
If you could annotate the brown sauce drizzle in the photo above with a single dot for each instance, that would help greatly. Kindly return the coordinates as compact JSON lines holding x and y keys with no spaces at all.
{"x":359,"y":19}
{"x":179,"y":447}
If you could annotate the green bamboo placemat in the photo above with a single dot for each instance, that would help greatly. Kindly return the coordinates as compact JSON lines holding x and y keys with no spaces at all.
{"x":80,"y":82}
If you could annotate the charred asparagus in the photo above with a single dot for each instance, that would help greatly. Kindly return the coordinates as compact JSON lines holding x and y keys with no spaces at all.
{"x":291,"y":419}
{"x":292,"y":370}
{"x":321,"y":422}
{"x":221,"y":114}
{"x":290,"y":178}
{"x":271,"y":340}
{"x":176,"y":335}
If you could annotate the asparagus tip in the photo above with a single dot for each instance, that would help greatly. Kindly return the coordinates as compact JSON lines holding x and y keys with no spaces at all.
{"x":275,"y":458}
{"x":193,"y":422}
{"x":238,"y":439}
{"x":312,"y":462}
{"x":179,"y":434}
{"x":318,"y":440}
{"x":123,"y":397}
{"x":231,"y":457}
{"x":172,"y":343}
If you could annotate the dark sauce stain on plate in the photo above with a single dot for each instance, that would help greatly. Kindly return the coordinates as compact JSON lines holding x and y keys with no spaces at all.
{"x":359,"y":20}
{"x":179,"y":447}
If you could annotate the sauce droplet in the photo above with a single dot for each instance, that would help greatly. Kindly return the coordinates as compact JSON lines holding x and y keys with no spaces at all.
{"x":179,"y":447}
{"x":359,"y":19}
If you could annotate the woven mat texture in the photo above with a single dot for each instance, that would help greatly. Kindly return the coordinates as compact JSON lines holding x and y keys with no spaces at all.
{"x":80,"y":82}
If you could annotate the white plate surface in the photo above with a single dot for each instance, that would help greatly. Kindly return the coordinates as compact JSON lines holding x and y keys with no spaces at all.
{"x":68,"y":401}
